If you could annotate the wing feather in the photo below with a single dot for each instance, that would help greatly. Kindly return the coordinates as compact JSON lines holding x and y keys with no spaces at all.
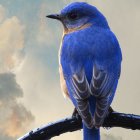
{"x":81,"y":94}
{"x":100,"y":87}
{"x":81,"y":86}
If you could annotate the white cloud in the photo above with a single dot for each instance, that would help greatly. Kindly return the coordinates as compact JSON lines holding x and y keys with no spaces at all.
{"x":11,"y":43}
{"x":2,"y":13}
{"x":46,"y":34}
{"x":110,"y":137}
{"x":15,"y":119}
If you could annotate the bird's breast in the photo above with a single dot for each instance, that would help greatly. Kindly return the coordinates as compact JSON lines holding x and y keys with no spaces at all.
{"x":74,"y":29}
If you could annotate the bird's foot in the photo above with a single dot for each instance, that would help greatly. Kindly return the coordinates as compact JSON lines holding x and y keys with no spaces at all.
{"x":75,"y":113}
{"x":110,"y":110}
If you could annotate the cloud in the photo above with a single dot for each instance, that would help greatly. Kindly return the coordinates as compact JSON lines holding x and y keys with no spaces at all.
{"x":44,"y":33}
{"x":11,"y":43}
{"x":9,"y":89}
{"x":14,"y":117}
{"x":47,"y":32}
{"x":110,"y":137}
{"x":18,"y":121}
{"x":2,"y":13}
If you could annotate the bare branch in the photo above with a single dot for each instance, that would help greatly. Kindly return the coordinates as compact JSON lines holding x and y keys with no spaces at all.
{"x":114,"y":119}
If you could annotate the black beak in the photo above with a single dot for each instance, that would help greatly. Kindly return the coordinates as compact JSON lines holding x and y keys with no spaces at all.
{"x":54,"y":16}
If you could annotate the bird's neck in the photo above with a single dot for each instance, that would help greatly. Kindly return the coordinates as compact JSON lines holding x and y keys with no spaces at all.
{"x":90,"y":134}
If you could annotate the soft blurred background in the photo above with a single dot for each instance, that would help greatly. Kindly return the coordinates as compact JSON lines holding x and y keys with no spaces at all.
{"x":30,"y":94}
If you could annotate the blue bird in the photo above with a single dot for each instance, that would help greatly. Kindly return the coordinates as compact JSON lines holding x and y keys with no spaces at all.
{"x":90,"y":64}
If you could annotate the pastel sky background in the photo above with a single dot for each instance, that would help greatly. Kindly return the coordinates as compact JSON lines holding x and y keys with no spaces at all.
{"x":30,"y":94}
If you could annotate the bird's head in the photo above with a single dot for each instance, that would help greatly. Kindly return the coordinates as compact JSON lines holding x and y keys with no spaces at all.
{"x":80,"y":15}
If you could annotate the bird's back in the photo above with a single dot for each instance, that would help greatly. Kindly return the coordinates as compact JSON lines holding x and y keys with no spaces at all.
{"x":86,"y":47}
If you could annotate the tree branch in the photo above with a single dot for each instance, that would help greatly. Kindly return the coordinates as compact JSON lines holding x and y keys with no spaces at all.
{"x":114,"y":119}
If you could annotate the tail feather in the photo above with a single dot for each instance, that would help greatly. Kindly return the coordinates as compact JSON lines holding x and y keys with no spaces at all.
{"x":91,"y":134}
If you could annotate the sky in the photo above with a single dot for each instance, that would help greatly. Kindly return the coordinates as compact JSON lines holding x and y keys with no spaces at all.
{"x":30,"y":94}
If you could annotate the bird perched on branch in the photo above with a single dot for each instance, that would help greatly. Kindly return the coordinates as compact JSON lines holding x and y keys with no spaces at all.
{"x":90,"y":63}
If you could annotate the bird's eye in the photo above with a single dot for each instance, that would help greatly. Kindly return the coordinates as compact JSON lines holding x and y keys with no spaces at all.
{"x":73,"y":16}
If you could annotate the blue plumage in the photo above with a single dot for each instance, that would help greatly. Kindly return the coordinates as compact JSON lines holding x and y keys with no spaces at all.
{"x":90,"y":62}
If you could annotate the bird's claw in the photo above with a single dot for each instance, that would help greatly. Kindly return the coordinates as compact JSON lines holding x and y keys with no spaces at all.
{"x":75,"y":113}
